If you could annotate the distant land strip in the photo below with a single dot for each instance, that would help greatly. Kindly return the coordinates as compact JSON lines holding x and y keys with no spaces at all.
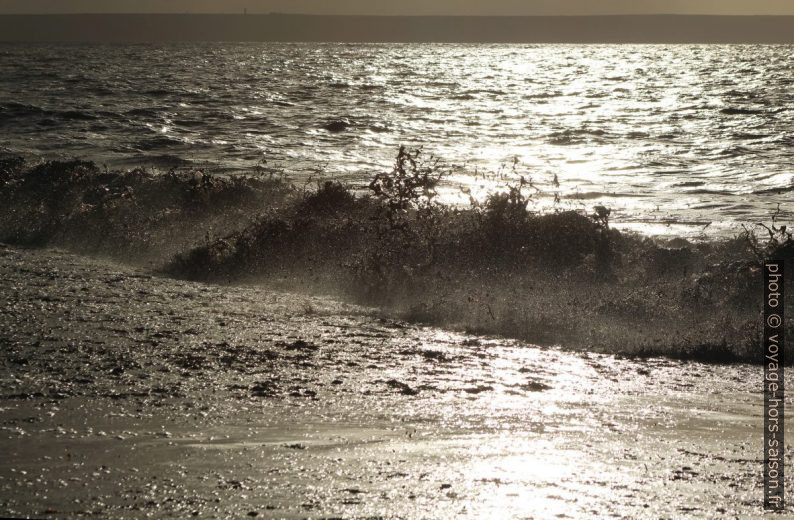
{"x":356,"y":29}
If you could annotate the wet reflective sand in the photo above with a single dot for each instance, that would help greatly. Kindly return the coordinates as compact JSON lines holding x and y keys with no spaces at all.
{"x":128,"y":395}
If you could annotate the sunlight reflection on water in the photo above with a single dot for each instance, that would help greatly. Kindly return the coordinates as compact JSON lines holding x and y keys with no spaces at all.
{"x":696,"y":129}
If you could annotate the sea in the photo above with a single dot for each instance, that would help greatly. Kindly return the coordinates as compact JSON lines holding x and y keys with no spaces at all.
{"x":683,"y":140}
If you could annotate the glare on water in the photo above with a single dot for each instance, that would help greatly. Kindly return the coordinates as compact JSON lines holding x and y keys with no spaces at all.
{"x":672,"y":138}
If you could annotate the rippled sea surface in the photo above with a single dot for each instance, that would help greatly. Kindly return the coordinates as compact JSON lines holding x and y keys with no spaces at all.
{"x":684,"y":140}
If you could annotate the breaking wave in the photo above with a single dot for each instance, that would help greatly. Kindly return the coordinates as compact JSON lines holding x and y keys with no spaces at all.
{"x":500,"y":267}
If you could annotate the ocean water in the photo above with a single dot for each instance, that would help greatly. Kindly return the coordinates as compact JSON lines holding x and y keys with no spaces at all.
{"x":684,"y":140}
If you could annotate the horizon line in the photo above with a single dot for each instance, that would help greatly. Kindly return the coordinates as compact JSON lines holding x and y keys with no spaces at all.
{"x":299,"y":27}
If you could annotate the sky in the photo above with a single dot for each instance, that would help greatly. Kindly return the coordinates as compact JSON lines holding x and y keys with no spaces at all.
{"x":406,"y":7}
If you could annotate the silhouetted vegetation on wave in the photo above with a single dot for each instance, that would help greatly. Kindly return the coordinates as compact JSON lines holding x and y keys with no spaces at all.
{"x":496,"y":267}
{"x":499,"y":268}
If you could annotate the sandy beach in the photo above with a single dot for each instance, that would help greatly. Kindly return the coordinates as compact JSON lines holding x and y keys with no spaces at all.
{"x":128,"y":395}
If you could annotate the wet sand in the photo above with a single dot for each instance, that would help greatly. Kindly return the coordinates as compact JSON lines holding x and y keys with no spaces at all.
{"x":127,"y":395}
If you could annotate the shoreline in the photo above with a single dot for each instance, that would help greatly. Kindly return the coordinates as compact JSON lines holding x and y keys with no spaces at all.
{"x":158,"y":397}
